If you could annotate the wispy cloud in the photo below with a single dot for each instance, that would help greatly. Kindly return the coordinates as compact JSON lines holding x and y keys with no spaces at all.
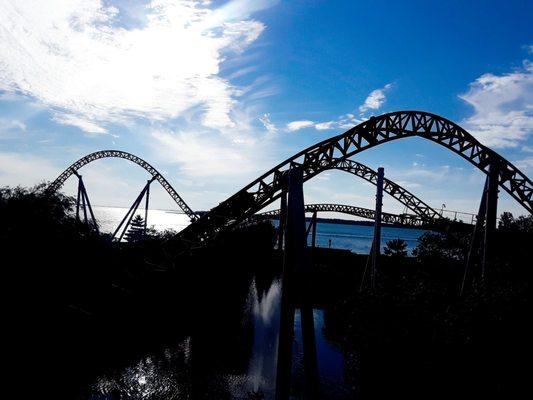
{"x":269,"y":126}
{"x":322,"y":126}
{"x":375,"y":99}
{"x":91,"y":71}
{"x":297,"y":125}
{"x":200,"y":154}
{"x":10,"y":127}
{"x":503,"y":107}
{"x":345,"y":121}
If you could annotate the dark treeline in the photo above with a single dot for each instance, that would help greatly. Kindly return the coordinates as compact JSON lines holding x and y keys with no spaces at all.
{"x":79,"y":305}
{"x":415,"y":336}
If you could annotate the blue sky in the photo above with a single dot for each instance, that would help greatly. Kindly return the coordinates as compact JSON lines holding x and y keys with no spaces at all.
{"x":215,"y":93}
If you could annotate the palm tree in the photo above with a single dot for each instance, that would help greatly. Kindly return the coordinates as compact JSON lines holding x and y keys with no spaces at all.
{"x":396,"y":248}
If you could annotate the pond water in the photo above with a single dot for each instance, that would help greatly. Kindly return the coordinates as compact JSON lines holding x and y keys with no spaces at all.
{"x":176,"y":372}
{"x":169,"y":373}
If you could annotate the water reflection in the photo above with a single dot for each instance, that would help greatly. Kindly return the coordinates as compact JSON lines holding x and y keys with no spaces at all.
{"x":154,"y":377}
{"x":262,"y":369}
{"x":195,"y":369}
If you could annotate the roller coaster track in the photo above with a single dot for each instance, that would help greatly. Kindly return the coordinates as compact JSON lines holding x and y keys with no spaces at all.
{"x":393,"y":219}
{"x":60,"y":180}
{"x":399,"y":193}
{"x":375,"y":131}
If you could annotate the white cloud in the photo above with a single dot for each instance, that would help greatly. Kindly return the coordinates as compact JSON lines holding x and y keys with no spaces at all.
{"x":503,"y":107}
{"x":375,"y":99}
{"x":269,"y":126}
{"x":74,"y":57}
{"x":321,"y":126}
{"x":343,"y":122}
{"x":80,"y":122}
{"x":297,"y":125}
{"x":11,"y":127}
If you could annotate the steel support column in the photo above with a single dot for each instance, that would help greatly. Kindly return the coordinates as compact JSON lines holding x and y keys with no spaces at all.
{"x":88,"y":204}
{"x":313,"y":232}
{"x":473,"y":251}
{"x":146,"y":205}
{"x":78,"y":198}
{"x":490,"y":215}
{"x":376,"y":244}
{"x":131,"y":212}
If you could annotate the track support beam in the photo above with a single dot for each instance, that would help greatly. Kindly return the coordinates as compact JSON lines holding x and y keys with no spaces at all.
{"x":376,"y":243}
{"x":473,"y":251}
{"x":125,"y":223}
{"x":490,"y":216}
{"x":82,"y":200}
{"x":282,"y":218}
{"x":295,"y":265}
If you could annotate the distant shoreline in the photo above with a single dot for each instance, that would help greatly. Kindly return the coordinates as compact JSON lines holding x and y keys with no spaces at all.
{"x":341,"y":221}
{"x":337,"y":221}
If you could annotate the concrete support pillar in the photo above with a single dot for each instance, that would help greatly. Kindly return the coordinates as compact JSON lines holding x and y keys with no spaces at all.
{"x":282,"y":218}
{"x":295,"y":289}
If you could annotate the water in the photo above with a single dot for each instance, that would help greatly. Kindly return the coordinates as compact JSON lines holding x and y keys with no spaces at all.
{"x":109,"y":218}
{"x":166,"y":374}
{"x":357,"y":238}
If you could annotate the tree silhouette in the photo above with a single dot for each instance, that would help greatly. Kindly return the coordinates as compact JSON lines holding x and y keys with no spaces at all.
{"x":521,"y":224}
{"x":506,"y":221}
{"x":136,"y":232}
{"x":396,"y":248}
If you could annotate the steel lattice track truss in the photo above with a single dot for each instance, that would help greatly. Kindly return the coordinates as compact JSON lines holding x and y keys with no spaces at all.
{"x":60,"y":180}
{"x":377,"y":130}
{"x":401,"y":194}
{"x":393,"y":219}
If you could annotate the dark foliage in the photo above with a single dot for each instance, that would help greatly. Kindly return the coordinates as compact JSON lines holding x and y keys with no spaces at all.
{"x":417,"y":334}
{"x":396,"y":248}
{"x":79,"y":302}
{"x":434,"y":246}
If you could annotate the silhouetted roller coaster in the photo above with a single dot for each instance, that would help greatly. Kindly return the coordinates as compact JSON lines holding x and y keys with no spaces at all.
{"x":375,"y":131}
{"x":367,"y":213}
{"x":335,"y":153}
